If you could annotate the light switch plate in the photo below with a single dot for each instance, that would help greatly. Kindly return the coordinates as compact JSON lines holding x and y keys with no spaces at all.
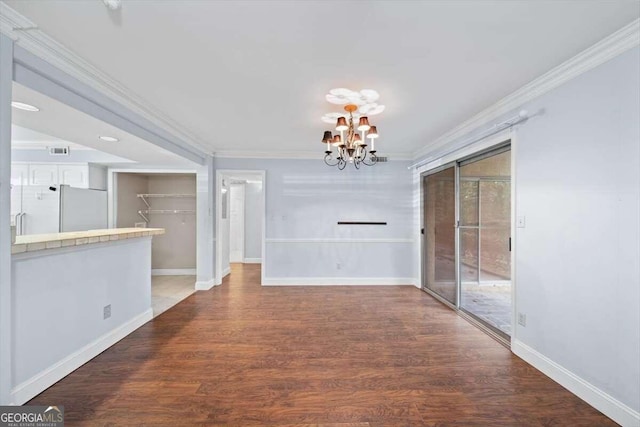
{"x":520,"y":223}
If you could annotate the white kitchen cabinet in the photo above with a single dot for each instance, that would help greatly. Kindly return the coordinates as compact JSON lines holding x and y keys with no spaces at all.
{"x":74,"y":175}
{"x":43,"y":174}
{"x":79,"y":175}
{"x":19,"y":174}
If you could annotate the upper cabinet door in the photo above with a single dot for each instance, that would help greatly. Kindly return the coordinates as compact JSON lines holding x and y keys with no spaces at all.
{"x":43,"y":174}
{"x":73,"y":175}
{"x":19,"y":174}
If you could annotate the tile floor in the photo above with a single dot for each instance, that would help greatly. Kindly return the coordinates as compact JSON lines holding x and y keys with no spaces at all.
{"x":491,"y":303}
{"x":167,"y":291}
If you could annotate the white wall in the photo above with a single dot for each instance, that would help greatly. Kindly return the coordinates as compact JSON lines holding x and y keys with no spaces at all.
{"x":127,"y":188}
{"x":225,"y":228}
{"x":97,"y":177}
{"x":578,"y":260}
{"x":205,"y":226}
{"x":304,"y":201}
{"x":58,"y":300}
{"x":253,"y":221}
{"x":176,"y":249}
{"x":236,"y":222}
{"x":6,"y":309}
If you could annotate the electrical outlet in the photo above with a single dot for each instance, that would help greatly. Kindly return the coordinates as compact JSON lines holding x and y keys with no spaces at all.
{"x":521,"y":222}
{"x":522,"y":319}
{"x":106,"y":311}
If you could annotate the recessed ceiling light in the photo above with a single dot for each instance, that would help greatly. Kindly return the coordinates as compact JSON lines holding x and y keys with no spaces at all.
{"x":108,"y":138}
{"x":23,"y":106}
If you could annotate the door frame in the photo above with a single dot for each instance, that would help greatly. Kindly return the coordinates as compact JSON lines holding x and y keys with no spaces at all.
{"x":507,"y":137}
{"x":223,"y":173}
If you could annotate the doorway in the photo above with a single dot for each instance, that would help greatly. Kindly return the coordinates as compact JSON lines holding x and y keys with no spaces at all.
{"x":161,"y":199}
{"x":240,"y":220}
{"x":467,"y":237}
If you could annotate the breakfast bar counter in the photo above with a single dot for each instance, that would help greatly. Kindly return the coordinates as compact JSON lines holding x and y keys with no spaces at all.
{"x":37,"y":242}
{"x":73,"y":296}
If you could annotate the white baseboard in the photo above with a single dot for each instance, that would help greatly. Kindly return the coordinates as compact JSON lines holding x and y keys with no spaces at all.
{"x":226,"y":272}
{"x":38,"y":383}
{"x":173,"y":272}
{"x":332,"y":281}
{"x":614,"y":409}
{"x":252,"y":261}
{"x":205,"y":285}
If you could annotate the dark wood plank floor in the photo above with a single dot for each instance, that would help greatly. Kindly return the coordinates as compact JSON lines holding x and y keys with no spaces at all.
{"x":244,"y":355}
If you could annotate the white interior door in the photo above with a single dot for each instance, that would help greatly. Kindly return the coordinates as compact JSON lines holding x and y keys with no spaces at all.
{"x":236,"y":223}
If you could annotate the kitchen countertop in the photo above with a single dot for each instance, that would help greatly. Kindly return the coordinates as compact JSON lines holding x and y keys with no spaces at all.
{"x":38,"y":242}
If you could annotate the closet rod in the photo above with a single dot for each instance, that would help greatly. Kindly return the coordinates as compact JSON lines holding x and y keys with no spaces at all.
{"x":167,"y":211}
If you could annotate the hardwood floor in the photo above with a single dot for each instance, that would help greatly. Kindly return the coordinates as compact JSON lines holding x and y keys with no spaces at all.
{"x":244,"y":355}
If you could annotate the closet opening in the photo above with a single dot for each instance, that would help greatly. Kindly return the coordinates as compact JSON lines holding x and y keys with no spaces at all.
{"x":162,"y":200}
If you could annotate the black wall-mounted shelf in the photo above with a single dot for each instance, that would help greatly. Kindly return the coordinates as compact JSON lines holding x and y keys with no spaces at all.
{"x":361,"y":223}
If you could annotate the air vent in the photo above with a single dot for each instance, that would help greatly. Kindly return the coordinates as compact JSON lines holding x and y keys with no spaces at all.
{"x":382,"y":159}
{"x":58,"y":151}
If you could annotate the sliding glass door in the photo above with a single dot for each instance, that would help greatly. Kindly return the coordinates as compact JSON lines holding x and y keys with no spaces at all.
{"x":439,"y":264}
{"x":485,"y":238}
{"x":470,"y":203}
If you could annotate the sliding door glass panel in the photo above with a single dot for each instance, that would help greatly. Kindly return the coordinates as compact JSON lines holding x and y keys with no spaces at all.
{"x":469,"y":203}
{"x":469,"y":255}
{"x":469,"y":224}
{"x":439,"y":195}
{"x":485,"y":258}
{"x":496,"y":230}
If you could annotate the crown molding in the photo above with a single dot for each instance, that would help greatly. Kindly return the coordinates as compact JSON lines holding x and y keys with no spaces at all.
{"x":609,"y":47}
{"x":28,"y":35}
{"x":308,"y":155}
{"x":226,"y":154}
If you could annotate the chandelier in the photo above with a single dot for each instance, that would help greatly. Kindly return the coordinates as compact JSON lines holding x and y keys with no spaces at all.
{"x":351,"y":146}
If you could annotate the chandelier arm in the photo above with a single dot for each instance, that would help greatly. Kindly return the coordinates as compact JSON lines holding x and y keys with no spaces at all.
{"x":373,"y":159}
{"x":328,"y":157}
{"x":364,"y":157}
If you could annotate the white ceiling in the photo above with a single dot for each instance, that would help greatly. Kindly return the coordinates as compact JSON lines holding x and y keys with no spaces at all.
{"x":23,"y":138}
{"x":57,"y":124}
{"x":252,"y":75}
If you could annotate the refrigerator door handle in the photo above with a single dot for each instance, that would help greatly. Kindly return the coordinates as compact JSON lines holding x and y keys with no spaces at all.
{"x":21,"y":216}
